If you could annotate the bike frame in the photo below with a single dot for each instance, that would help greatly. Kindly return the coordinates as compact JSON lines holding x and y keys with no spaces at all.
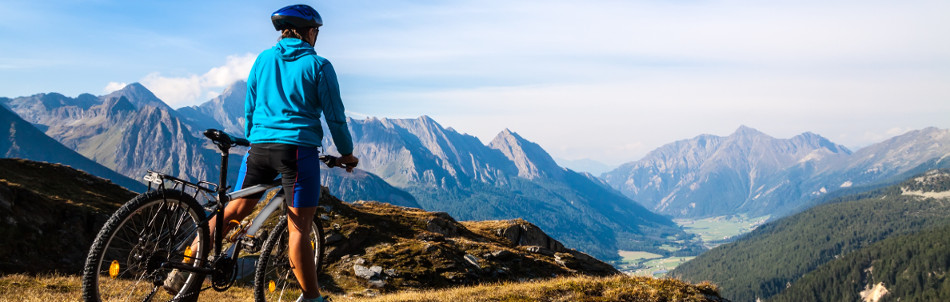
{"x":272,"y":204}
{"x":221,"y":199}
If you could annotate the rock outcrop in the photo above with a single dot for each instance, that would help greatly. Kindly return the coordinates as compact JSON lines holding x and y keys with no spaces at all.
{"x":376,"y":247}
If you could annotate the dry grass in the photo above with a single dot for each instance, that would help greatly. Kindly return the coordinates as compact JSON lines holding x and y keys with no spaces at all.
{"x":45,"y":288}
{"x":616,"y":288}
{"x":23,"y":288}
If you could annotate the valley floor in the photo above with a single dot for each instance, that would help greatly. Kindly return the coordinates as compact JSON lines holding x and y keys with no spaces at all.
{"x":714,"y":231}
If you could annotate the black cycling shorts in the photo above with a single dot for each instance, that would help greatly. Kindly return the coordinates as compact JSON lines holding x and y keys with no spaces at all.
{"x":299,"y":168}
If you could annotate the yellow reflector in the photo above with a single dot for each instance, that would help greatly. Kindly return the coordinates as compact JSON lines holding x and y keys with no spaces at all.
{"x":313,"y":245}
{"x":271,"y":286}
{"x":188,"y":252}
{"x":114,"y":269}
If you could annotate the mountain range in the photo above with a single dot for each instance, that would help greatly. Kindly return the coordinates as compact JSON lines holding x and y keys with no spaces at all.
{"x":410,"y":162}
{"x":26,"y":141}
{"x":749,"y":172}
{"x":128,"y":131}
{"x":418,"y":162}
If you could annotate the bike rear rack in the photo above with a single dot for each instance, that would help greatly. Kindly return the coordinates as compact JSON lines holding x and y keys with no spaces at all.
{"x":159,"y":180}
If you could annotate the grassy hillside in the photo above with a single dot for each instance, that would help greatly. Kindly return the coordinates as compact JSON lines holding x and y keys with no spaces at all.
{"x":777,"y":254}
{"x":49,"y":214}
{"x":23,"y":288}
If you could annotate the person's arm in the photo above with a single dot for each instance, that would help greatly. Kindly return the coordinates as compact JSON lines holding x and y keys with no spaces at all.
{"x":333,"y":111}
{"x":249,"y":100}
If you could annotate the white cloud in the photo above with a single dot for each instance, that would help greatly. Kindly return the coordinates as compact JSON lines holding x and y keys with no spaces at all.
{"x":236,"y":68}
{"x":195,"y":89}
{"x":113,"y":86}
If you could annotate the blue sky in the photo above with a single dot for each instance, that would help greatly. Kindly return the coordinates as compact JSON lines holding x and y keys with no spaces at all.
{"x":606,"y":80}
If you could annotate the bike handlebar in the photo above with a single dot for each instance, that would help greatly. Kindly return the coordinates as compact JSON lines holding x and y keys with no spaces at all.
{"x":225,"y":141}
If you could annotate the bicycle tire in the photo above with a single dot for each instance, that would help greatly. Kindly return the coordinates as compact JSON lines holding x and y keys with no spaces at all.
{"x":124,"y":261}
{"x":273,"y":279}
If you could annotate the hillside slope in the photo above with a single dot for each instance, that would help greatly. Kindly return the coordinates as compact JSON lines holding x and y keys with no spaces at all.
{"x":49,"y":215}
{"x":901,"y":268}
{"x":777,"y":254}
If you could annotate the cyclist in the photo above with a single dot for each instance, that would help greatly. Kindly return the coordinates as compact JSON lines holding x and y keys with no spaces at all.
{"x":287,"y":89}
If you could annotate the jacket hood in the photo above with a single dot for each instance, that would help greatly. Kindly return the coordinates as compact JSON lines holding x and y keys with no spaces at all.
{"x":291,"y":49}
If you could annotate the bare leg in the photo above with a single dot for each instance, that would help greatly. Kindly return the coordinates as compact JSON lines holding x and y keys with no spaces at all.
{"x":300,"y":251}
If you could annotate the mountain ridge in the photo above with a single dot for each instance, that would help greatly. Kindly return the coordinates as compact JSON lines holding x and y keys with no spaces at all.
{"x":26,"y":141}
{"x":749,"y":172}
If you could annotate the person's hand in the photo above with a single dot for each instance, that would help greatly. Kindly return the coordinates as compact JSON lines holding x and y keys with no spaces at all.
{"x":349,"y":162}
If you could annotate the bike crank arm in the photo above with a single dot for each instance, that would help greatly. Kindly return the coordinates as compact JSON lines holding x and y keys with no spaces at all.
{"x":187,"y":267}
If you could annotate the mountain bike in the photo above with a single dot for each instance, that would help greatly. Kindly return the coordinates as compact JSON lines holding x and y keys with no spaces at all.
{"x":163,"y":236}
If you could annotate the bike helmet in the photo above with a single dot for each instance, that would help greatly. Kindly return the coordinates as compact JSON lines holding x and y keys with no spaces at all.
{"x":296,"y":16}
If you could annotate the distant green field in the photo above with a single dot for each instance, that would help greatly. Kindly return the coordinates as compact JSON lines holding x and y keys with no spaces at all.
{"x":659,"y":267}
{"x":632,"y":256}
{"x":641,"y":263}
{"x":711,"y":230}
{"x":720,"y":228}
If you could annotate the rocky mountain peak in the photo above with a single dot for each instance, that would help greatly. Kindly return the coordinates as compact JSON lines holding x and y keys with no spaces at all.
{"x":532,"y":161}
{"x":225,"y":111}
{"x":238,"y":86}
{"x":744,"y":130}
{"x":52,"y":100}
{"x":813,"y":139}
{"x":138,"y":95}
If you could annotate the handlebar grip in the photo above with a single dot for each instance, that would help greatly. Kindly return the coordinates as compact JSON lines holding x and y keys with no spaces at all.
{"x":330,"y":161}
{"x":334,"y":162}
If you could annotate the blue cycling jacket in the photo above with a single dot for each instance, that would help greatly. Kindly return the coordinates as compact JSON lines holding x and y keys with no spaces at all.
{"x":288,"y":88}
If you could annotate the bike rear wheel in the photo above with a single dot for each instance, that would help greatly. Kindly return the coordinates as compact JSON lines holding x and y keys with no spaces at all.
{"x":273,"y":279}
{"x":130,"y":259}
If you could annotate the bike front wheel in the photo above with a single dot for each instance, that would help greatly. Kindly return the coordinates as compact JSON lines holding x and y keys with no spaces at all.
{"x":273,"y":279}
{"x":136,"y":252}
